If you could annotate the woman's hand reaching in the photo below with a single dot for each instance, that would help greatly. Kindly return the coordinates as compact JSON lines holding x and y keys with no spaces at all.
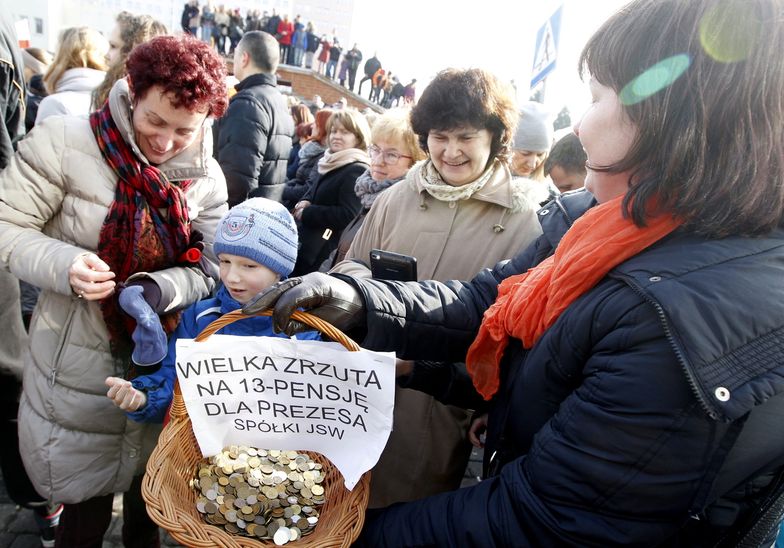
{"x":476,"y":433}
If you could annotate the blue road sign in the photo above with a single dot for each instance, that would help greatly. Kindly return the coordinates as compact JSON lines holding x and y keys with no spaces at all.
{"x":546,"y":52}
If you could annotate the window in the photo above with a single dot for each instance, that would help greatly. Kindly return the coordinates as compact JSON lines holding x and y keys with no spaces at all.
{"x":39,"y":25}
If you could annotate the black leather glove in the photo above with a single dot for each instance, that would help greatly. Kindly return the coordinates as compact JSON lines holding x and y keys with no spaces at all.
{"x":327,"y":297}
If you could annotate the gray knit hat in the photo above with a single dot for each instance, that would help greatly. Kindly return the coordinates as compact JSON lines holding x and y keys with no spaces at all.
{"x":261,"y":230}
{"x":534,"y":128}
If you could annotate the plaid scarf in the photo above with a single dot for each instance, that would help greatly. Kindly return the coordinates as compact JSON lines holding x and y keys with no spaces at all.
{"x":136,"y":236}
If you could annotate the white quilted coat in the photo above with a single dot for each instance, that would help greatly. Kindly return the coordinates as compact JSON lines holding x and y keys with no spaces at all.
{"x":54,"y":196}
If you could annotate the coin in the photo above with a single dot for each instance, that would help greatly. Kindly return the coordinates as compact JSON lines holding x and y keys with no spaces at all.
{"x":257,"y":492}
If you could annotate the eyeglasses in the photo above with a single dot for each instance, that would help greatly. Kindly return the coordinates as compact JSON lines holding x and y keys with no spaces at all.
{"x":390,"y":158}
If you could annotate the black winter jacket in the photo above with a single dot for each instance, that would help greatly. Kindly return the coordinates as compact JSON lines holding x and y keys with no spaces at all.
{"x":333,"y":205}
{"x":253,"y":140}
{"x":313,"y":43}
{"x":354,"y":57}
{"x":272,"y":25}
{"x":305,"y":177}
{"x":371,"y":66}
{"x":655,"y":398}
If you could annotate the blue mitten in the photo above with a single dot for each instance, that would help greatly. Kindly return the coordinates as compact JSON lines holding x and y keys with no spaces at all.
{"x":149,"y":338}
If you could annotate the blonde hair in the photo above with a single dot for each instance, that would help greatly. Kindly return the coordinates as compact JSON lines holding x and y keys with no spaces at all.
{"x":370,"y":116}
{"x":354,"y":122}
{"x":538,"y":173}
{"x":77,"y":47}
{"x":134,"y":30}
{"x":395,"y":124}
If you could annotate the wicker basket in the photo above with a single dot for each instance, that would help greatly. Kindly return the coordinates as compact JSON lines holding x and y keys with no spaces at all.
{"x":171,"y":502}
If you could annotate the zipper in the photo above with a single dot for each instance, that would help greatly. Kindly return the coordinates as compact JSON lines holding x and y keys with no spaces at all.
{"x":61,"y":346}
{"x":674,"y":344}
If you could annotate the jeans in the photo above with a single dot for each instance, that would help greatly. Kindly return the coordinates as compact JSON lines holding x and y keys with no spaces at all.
{"x":206,"y":33}
{"x":284,"y":53}
{"x":331,"y":66}
{"x":299,"y":53}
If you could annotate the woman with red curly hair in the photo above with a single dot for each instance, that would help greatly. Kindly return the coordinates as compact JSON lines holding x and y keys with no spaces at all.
{"x":91,"y":209}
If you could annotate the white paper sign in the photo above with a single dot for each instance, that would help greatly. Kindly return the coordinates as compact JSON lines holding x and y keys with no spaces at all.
{"x":275,"y":393}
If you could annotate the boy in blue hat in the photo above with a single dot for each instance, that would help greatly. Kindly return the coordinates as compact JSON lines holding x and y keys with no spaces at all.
{"x":256,"y":244}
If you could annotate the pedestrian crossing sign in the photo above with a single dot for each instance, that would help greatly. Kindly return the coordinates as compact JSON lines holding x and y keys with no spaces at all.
{"x":546,"y":50}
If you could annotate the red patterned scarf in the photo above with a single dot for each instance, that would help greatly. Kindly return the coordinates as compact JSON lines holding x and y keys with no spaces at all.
{"x":528,"y":304}
{"x":147,"y":226}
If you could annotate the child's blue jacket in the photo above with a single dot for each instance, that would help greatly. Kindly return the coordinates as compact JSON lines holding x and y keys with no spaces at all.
{"x":159,"y":385}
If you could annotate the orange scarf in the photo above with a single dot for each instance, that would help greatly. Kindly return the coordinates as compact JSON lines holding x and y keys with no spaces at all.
{"x":528,"y":304}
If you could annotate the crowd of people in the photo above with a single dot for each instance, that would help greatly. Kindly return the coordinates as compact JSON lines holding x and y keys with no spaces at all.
{"x":615,"y":344}
{"x":300,"y":46}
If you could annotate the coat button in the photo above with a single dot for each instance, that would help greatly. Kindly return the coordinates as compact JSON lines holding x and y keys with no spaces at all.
{"x":722,"y":394}
{"x":423,"y":206}
{"x":544,"y":211}
{"x":452,"y":205}
{"x":654,"y":279}
{"x":498,"y":228}
{"x":133,"y":453}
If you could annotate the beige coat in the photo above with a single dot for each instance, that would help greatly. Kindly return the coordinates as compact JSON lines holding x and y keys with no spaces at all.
{"x":449,"y":241}
{"x":428,"y":450}
{"x":54,"y":197}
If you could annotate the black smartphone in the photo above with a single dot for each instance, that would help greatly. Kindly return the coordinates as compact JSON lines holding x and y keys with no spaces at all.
{"x":386,"y":265}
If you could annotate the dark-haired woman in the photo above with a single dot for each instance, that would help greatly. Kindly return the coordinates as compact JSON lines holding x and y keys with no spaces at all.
{"x":86,"y":207}
{"x":458,"y":211}
{"x":633,"y":357}
{"x":308,"y":158}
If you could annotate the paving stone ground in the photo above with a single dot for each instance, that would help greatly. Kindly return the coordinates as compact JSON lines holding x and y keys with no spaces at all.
{"x":18,"y":528}
{"x":473,"y":473}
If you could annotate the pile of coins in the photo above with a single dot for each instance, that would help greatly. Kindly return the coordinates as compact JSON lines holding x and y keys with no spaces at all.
{"x":267,"y":494}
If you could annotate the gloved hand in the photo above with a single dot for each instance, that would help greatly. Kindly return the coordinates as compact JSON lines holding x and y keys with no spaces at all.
{"x":149,"y":337}
{"x":327,"y":297}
